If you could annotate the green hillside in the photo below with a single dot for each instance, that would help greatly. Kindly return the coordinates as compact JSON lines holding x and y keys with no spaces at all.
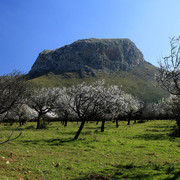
{"x":138,"y":81}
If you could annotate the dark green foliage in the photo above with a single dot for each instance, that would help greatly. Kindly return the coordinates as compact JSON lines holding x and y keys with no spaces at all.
{"x":170,"y":169}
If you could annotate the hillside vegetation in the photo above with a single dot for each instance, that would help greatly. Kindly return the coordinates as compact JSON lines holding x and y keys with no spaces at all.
{"x":138,"y":81}
{"x":117,"y":61}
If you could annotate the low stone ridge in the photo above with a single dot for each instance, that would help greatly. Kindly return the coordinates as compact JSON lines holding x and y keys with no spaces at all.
{"x":88,"y":56}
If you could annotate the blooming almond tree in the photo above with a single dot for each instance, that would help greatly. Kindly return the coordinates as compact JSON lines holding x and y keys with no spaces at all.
{"x":20,"y":113}
{"x":165,"y":107}
{"x":62,"y":106}
{"x":176,"y":110}
{"x":132,"y":106}
{"x":13,"y":86}
{"x":43,"y":100}
{"x":85,"y":101}
{"x":171,"y":108}
{"x":169,"y":74}
{"x":151,"y":111}
{"x":112,"y":104}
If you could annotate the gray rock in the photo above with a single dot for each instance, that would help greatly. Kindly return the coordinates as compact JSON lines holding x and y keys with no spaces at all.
{"x":89,"y":56}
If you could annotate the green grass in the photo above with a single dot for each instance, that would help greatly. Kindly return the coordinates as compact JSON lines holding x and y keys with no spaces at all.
{"x":138,"y":151}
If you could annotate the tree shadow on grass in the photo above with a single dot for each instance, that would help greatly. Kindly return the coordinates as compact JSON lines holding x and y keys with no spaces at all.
{"x":132,"y":171}
{"x":159,"y":130}
{"x":94,"y":177}
{"x":67,"y":133}
{"x":161,"y":126}
{"x":50,"y":142}
{"x":158,"y":136}
{"x":74,"y":132}
{"x":129,"y":171}
{"x":57,"y":141}
{"x":176,"y":175}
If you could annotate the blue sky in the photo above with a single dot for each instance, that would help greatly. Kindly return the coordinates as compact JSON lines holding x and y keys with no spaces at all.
{"x":27,"y":27}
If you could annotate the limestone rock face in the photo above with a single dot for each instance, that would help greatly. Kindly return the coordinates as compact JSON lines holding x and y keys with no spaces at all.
{"x":89,"y":56}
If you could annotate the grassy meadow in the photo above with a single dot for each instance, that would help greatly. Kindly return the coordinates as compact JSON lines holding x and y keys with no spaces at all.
{"x":139,"y":151}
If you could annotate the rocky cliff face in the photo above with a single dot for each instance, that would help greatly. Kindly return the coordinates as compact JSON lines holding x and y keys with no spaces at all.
{"x":89,"y":56}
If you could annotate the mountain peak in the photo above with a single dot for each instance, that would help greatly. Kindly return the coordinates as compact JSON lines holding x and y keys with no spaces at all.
{"x":89,"y":56}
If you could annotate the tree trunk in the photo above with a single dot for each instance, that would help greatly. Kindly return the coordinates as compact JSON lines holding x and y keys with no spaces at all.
{"x":65,"y":124}
{"x":117,"y":125}
{"x":102,"y":126}
{"x":20,"y":122}
{"x":23,"y":122}
{"x":178,"y":126}
{"x":11,"y":123}
{"x":134,"y":121}
{"x":38,"y":122}
{"x":79,"y":130}
{"x":97,"y":122}
{"x":66,"y":119}
{"x":129,"y":119}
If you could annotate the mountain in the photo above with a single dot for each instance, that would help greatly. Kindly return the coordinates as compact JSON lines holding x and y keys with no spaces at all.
{"x":89,"y":56}
{"x":118,"y":61}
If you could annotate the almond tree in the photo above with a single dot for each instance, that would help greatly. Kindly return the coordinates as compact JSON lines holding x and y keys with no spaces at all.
{"x":169,"y":74}
{"x":112,"y":105}
{"x":85,"y":101}
{"x":62,"y":106}
{"x":43,"y":100}
{"x":151,"y":111}
{"x":165,"y":107}
{"x":132,"y":106}
{"x":13,"y":86}
{"x":21,"y":112}
{"x":175,"y":102}
{"x":170,"y":107}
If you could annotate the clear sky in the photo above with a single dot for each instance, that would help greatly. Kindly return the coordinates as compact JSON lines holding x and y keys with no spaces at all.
{"x":27,"y":27}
